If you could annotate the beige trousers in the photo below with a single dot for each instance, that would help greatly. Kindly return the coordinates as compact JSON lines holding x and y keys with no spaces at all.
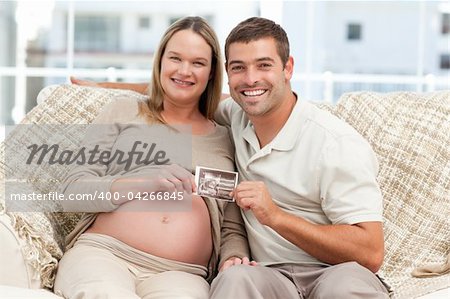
{"x":99,"y":266}
{"x":291,"y":281}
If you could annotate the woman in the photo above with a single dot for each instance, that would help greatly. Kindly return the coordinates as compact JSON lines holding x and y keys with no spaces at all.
{"x":115,"y":253}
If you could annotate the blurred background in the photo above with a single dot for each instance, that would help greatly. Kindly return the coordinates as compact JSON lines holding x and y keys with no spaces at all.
{"x":338,"y":46}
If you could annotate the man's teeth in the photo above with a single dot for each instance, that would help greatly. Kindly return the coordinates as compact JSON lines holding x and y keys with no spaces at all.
{"x":182,"y":82}
{"x":254,"y":93}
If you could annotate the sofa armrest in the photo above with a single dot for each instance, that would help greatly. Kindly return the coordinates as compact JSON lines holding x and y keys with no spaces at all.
{"x":14,"y":271}
{"x":20,"y":293}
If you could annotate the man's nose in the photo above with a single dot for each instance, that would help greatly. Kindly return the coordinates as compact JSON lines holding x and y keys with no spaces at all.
{"x":251,"y":76}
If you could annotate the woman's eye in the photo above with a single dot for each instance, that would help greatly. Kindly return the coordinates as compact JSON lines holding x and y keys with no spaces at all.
{"x":174,"y":58}
{"x":198,"y":63}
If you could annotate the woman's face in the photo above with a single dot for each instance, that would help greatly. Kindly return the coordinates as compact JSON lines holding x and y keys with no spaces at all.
{"x":185,"y":68}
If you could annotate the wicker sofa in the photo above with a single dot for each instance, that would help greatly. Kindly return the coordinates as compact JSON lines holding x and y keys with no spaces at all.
{"x":408,"y":131}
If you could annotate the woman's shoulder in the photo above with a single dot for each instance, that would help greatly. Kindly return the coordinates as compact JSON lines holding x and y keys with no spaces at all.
{"x":221,"y":130}
{"x":120,"y":110}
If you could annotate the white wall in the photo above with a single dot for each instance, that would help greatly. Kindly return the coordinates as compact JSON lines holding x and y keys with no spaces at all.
{"x":136,"y":44}
{"x":390,"y":36}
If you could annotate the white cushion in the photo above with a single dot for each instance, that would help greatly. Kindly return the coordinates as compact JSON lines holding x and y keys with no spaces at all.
{"x":442,"y":294}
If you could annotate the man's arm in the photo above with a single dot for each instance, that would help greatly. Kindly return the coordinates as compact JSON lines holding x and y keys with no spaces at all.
{"x":142,"y":88}
{"x":362,"y":242}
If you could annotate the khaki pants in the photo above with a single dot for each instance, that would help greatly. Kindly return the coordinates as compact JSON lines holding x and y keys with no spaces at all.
{"x":344,"y":281}
{"x":99,"y":266}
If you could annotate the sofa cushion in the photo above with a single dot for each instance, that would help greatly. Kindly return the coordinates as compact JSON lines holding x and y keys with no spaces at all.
{"x":60,"y":117}
{"x":410,"y":133}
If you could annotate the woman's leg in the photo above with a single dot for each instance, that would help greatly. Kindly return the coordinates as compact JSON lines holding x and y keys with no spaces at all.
{"x":89,"y":272}
{"x":172,"y":284}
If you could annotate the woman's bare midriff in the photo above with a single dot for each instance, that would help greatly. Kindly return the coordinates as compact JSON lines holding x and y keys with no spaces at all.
{"x":183,"y":236}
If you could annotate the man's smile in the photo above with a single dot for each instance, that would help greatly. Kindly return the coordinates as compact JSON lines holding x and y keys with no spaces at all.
{"x":253,"y":93}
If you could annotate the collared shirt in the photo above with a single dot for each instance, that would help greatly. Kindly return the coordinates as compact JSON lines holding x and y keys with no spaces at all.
{"x":317,"y":167}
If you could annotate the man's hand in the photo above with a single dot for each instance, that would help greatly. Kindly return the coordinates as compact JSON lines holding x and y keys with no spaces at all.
{"x":80,"y":82}
{"x":256,"y":197}
{"x":233,"y":261}
{"x":333,"y":243}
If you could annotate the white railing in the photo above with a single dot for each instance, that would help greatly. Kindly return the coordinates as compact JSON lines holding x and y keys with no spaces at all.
{"x":422,"y":83}
{"x":328,"y":79}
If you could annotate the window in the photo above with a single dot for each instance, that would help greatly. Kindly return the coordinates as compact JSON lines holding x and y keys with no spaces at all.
{"x":445,"y":28}
{"x":174,"y":19}
{"x":445,"y":62}
{"x":97,"y":33}
{"x":209,"y":19}
{"x":354,"y":31}
{"x":144,"y":22}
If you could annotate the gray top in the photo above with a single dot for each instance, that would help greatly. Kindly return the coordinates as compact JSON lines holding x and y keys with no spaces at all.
{"x":125,"y":125}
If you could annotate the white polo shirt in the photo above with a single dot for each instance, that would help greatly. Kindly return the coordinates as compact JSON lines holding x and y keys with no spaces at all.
{"x":317,"y":167}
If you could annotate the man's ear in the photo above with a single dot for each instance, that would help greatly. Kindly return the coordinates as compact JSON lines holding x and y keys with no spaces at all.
{"x":289,"y":68}
{"x":226,"y":69}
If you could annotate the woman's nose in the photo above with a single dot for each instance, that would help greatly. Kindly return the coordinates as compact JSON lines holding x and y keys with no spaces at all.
{"x":184,"y":69}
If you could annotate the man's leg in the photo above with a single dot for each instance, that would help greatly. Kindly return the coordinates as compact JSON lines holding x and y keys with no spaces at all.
{"x":173,"y":284}
{"x":343,"y":281}
{"x":256,"y":282}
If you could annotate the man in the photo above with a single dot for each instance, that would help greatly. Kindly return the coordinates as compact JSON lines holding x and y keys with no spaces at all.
{"x":309,"y":195}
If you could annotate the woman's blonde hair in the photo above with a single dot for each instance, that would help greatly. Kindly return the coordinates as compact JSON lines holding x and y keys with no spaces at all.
{"x":211,"y":96}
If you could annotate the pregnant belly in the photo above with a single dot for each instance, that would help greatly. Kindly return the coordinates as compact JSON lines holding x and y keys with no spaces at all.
{"x":182,"y":236}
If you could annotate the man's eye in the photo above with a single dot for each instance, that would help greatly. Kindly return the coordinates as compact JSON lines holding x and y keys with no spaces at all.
{"x":265,"y":65}
{"x":236,"y":68}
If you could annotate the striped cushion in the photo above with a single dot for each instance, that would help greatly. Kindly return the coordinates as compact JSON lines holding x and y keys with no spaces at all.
{"x":410,"y":133}
{"x":60,"y":118}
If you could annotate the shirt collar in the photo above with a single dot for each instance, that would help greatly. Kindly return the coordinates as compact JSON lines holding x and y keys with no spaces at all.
{"x":287,"y":137}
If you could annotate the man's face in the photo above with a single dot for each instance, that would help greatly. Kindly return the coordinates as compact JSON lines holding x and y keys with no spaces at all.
{"x":258,"y":80}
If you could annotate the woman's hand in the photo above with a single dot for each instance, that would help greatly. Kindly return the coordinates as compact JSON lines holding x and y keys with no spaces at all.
{"x":233,"y":261}
{"x":165,"y":178}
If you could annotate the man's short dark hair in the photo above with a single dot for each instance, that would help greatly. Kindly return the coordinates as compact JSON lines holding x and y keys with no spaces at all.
{"x":256,"y":28}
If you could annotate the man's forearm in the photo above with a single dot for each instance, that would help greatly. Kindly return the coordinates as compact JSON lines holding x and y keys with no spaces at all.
{"x":138,"y":87}
{"x":334,"y":244}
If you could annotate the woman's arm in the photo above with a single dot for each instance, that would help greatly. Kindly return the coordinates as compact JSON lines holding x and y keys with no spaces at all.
{"x":89,"y":179}
{"x":234,"y":247}
{"x":107,"y":189}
